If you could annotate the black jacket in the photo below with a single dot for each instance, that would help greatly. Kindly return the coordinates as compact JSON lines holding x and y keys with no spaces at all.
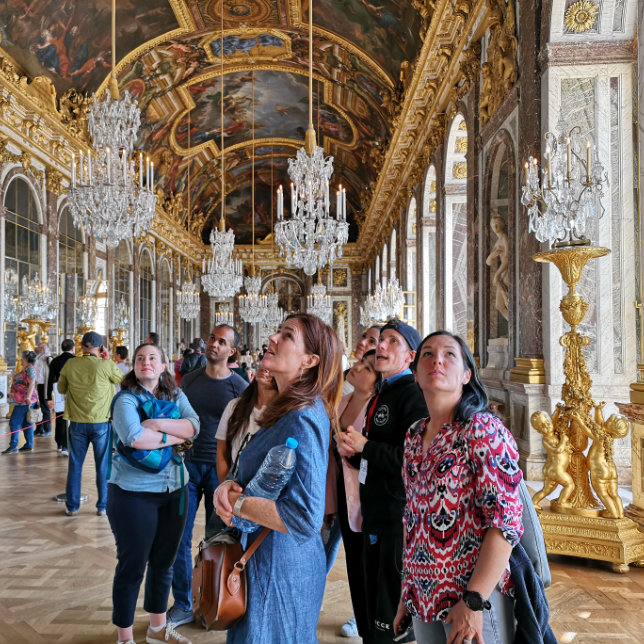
{"x":382,"y":497}
{"x":55,"y":367}
{"x":192,"y":362}
{"x":531,"y":609}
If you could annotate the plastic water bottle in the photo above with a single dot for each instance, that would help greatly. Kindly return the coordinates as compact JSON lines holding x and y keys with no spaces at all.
{"x":271,"y":477}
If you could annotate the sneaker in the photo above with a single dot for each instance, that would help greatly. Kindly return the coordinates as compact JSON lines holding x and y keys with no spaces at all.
{"x":71,"y":513}
{"x":26,"y":448}
{"x":164,"y":636}
{"x":10,"y":450}
{"x":100,"y":513}
{"x":177,"y":616}
{"x":44,"y":434}
{"x":64,"y":452}
{"x":349,"y":628}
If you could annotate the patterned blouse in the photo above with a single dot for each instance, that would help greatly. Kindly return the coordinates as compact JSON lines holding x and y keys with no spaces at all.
{"x":20,"y":385}
{"x":467,"y":482}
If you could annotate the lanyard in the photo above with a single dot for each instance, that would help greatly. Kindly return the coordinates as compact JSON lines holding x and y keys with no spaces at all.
{"x":372,"y":408}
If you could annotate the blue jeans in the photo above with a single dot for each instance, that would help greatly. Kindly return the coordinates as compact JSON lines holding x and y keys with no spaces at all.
{"x":19,"y":421}
{"x":498,"y":624}
{"x":331,"y":538}
{"x":80,"y":436}
{"x":203,"y":482}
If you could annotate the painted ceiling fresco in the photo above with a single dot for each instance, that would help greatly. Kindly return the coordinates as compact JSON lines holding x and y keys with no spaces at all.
{"x":171,"y":55}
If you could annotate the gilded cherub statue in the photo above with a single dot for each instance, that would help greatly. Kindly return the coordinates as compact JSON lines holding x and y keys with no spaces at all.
{"x":27,"y":339}
{"x":555,"y":469}
{"x":603,"y":472}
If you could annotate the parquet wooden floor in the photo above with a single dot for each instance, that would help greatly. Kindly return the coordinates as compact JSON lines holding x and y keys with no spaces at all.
{"x":56,"y":572}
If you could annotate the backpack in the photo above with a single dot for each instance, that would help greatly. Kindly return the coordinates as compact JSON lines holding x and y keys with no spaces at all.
{"x":148,"y":460}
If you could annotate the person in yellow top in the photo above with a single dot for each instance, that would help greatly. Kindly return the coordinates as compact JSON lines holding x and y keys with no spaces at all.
{"x":88,"y":383}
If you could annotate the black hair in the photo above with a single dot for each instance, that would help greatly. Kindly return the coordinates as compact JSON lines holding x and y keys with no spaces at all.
{"x":122,"y":352}
{"x":167,"y":387}
{"x":154,"y":338}
{"x":29,"y":356}
{"x":474,"y":399}
{"x":67,"y":345}
{"x":366,"y":354}
{"x":233,"y":329}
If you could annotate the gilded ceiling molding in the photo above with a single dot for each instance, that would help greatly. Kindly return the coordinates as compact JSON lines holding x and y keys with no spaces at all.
{"x":264,"y":54}
{"x":500,"y":70}
{"x":432,"y":86}
{"x":184,"y":93}
{"x":54,"y":182}
{"x":187,"y":25}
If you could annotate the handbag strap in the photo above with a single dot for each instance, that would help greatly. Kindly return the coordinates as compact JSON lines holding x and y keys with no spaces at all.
{"x":251,"y":551}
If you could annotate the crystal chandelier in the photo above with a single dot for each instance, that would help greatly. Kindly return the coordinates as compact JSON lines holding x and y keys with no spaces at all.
{"x":386,"y":302}
{"x":121,"y":315}
{"x":11,"y":298}
{"x":223,"y":277}
{"x":319,"y":303}
{"x":188,"y":300}
{"x":87,"y":309}
{"x":312,"y":238}
{"x":38,"y":301}
{"x":223,"y":314}
{"x":569,"y":192}
{"x":107,"y":199}
{"x":253,"y":305}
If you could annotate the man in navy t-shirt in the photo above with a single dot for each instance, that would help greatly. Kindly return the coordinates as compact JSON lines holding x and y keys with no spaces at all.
{"x":209,"y":390}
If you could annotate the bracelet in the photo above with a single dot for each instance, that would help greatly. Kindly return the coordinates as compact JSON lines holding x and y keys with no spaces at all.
{"x":164,"y":439}
{"x":238,"y":506}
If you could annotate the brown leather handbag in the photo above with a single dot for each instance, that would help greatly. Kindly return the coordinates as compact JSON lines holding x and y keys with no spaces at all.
{"x":219,"y":580}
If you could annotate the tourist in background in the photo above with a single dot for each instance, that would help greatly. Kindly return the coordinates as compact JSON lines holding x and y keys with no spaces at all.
{"x":120,"y":358}
{"x":461,"y":476}
{"x":194,"y":360}
{"x":145,"y":508}
{"x":286,"y":575}
{"x":88,"y":384}
{"x":56,"y":399}
{"x":43,"y":360}
{"x":23,"y":396}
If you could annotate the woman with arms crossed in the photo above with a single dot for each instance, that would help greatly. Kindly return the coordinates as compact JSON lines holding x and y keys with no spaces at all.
{"x":463,"y":513}
{"x":286,"y":575}
{"x":144,"y":508}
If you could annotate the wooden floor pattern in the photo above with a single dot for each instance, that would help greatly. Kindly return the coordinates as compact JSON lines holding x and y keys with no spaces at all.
{"x":56,"y":572}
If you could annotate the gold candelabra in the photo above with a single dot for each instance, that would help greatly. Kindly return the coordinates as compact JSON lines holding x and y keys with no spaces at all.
{"x":575,"y":523}
{"x":78,"y":339}
{"x":116,"y":341}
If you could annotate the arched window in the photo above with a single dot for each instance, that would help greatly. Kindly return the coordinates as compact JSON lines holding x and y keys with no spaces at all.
{"x":146,"y":290}
{"x":384,"y":266}
{"x":21,"y":248}
{"x":165,"y":329}
{"x":456,"y":238}
{"x":410,"y":307}
{"x":428,"y":304}
{"x":393,"y":257}
{"x":121,"y":286}
{"x":70,"y":273}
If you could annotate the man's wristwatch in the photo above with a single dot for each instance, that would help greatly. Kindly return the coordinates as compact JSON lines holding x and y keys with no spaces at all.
{"x":238,"y":505}
{"x":474,"y":601}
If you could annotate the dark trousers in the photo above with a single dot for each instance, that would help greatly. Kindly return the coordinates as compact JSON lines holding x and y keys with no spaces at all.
{"x":353,"y":547}
{"x":61,"y":430}
{"x":382,"y":567}
{"x":45,"y":426}
{"x":147,"y":527}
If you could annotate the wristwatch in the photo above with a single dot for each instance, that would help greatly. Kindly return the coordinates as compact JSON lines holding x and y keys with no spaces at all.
{"x":238,"y":505}
{"x":474,"y":601}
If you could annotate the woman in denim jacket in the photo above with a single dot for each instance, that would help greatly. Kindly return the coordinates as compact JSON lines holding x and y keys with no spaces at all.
{"x":144,"y":507}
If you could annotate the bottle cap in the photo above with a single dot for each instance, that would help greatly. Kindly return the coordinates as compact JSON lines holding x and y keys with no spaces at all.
{"x":291,"y":443}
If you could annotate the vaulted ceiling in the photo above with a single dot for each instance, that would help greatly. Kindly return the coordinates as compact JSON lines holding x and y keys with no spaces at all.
{"x":169,"y":55}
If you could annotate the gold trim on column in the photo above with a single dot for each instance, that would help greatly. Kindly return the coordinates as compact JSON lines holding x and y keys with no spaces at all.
{"x":528,"y":371}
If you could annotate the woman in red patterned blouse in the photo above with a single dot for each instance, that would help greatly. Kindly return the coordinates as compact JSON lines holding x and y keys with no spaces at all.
{"x":463,"y":513}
